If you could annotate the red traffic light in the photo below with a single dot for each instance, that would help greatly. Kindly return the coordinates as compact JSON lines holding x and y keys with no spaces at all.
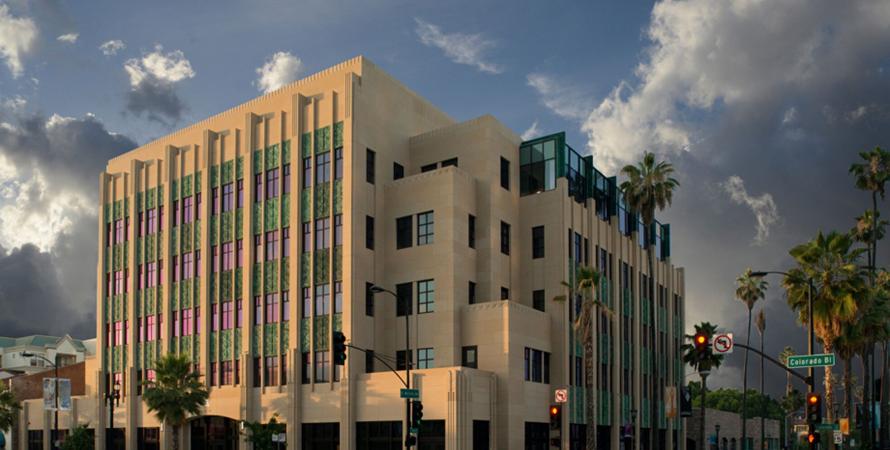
{"x":701,"y":341}
{"x":811,"y":438}
{"x":813,"y":398}
{"x":554,"y":410}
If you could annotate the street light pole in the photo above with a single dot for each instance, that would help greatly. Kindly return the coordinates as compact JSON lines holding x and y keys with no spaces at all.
{"x":55,"y":441}
{"x":375,"y":289}
{"x":810,"y":334}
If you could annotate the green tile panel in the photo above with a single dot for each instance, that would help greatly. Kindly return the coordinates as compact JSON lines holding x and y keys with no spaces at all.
{"x":257,"y":278}
{"x":236,"y":337}
{"x":212,"y":345}
{"x":227,"y":219}
{"x":285,"y":210}
{"x":255,"y":333}
{"x":338,"y":196}
{"x":306,"y":205}
{"x":338,"y":322}
{"x":285,"y":335}
{"x":321,"y":265}
{"x":306,"y":144}
{"x":228,"y":172}
{"x":338,"y":134}
{"x":321,"y":333}
{"x":239,"y":168}
{"x":338,"y":263}
{"x":305,"y":268}
{"x":270,"y":276}
{"x":214,"y":227}
{"x":198,"y":182}
{"x":257,"y":162}
{"x":272,"y":154}
{"x":285,"y":272}
{"x":270,"y":220}
{"x":304,"y":335}
{"x":174,"y":189}
{"x":214,"y":176}
{"x":239,"y":223}
{"x":239,"y":277}
{"x":225,"y":288}
{"x":257,"y":218}
{"x":323,"y":140}
{"x":270,"y":339}
{"x":225,"y":344}
{"x":322,"y":200}
{"x":285,"y":152}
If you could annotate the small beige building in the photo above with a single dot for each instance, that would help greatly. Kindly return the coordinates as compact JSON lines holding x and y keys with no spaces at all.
{"x":245,"y":240}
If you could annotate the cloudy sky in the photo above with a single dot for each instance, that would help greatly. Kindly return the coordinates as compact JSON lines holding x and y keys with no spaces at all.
{"x":761,"y":105}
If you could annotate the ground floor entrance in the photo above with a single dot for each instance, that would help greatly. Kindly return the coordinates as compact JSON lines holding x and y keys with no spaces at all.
{"x":214,"y":433}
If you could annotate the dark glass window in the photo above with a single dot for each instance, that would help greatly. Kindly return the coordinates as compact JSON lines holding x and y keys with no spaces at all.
{"x":449,"y":162}
{"x":469,"y":356}
{"x":538,"y":242}
{"x":403,"y":232}
{"x":257,"y":363}
{"x":429,"y":167}
{"x":338,"y":163}
{"x":307,"y":172}
{"x":322,"y":168}
{"x":398,"y":172}
{"x":322,"y":367}
{"x":400,"y":359}
{"x":272,"y":183}
{"x":378,"y":435}
{"x":471,"y":231}
{"x":426,"y":296}
{"x":307,"y":237}
{"x":405,"y":294}
{"x":338,"y":230}
{"x":505,"y":173}
{"x":370,"y":163}
{"x":369,"y":232}
{"x":505,"y":238}
{"x":285,"y":175}
{"x":369,"y":300}
{"x":505,"y":293}
{"x":471,"y":293}
{"x":538,"y":300}
{"x":369,"y":361}
{"x":305,"y":368}
{"x":425,"y":228}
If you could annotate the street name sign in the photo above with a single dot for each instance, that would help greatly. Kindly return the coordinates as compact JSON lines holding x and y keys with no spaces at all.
{"x":828,"y":427}
{"x":819,"y":360}
{"x":410,"y":393}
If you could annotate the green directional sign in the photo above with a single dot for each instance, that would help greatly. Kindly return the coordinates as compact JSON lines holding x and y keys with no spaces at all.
{"x":410,"y":393}
{"x":828,"y":427}
{"x":820,"y":360}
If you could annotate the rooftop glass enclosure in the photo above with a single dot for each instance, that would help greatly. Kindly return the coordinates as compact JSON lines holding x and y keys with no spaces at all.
{"x":543,"y":160}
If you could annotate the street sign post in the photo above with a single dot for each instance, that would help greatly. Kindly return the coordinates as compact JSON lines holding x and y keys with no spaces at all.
{"x":722,"y":343}
{"x":410,"y":393}
{"x":561,"y":396}
{"x":818,"y":360}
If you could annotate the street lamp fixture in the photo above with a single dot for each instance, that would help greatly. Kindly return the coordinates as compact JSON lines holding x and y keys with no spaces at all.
{"x":377,"y":289}
{"x":717,"y":436}
{"x":55,"y":365}
{"x":113,"y":398}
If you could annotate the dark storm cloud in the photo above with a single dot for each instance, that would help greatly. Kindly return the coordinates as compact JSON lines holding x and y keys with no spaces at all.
{"x":156,"y":101}
{"x":34,"y":301}
{"x":52,"y":289}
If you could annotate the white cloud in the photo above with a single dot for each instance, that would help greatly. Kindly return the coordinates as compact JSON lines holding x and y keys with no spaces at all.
{"x":763,"y":207}
{"x":711,"y":56}
{"x":531,"y":132}
{"x":280,"y":69}
{"x":564,"y":100}
{"x":15,"y":104}
{"x":68,"y":38}
{"x":461,"y":48}
{"x":56,"y":120}
{"x":165,"y":68}
{"x":111,"y":47}
{"x":17,"y":36}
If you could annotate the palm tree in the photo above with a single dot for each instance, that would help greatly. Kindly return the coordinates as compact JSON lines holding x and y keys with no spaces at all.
{"x":586,"y":283}
{"x":830,"y":261}
{"x":748,"y":289}
{"x":872,"y":175}
{"x":702,"y":361}
{"x":761,"y":327}
{"x":9,"y":408}
{"x":176,"y":392}
{"x":649,"y":186}
{"x":786,"y":353}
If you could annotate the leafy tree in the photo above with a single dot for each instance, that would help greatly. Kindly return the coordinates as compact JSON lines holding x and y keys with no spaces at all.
{"x":749,"y":289}
{"x":831,"y":262}
{"x":176,"y":392}
{"x":79,"y":439}
{"x":9,"y":408}
{"x":649,"y":186}
{"x":260,"y":434}
{"x":871,"y":175}
{"x":586,"y":284}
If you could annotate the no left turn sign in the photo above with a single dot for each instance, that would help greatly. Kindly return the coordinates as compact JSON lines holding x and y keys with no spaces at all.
{"x":722,"y":343}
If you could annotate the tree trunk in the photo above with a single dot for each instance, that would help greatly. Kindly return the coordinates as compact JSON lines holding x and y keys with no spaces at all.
{"x":762,"y":393}
{"x":653,"y":411}
{"x":866,"y":394}
{"x":175,"y":437}
{"x":590,"y":407}
{"x":745,"y":387}
{"x":829,"y":385}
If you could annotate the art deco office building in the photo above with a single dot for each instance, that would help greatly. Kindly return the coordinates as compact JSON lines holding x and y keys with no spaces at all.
{"x":245,"y":240}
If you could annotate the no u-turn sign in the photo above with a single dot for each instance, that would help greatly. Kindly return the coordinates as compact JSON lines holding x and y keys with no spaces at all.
{"x":722,"y":343}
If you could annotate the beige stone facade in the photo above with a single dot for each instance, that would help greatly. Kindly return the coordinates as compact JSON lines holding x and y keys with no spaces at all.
{"x":291,"y":204}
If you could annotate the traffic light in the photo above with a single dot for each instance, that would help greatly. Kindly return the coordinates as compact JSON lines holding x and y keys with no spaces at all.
{"x":813,"y":438}
{"x":702,"y":341}
{"x":814,"y":408}
{"x":416,"y":413}
{"x":410,"y":441}
{"x":556,"y":426}
{"x":339,"y":348}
